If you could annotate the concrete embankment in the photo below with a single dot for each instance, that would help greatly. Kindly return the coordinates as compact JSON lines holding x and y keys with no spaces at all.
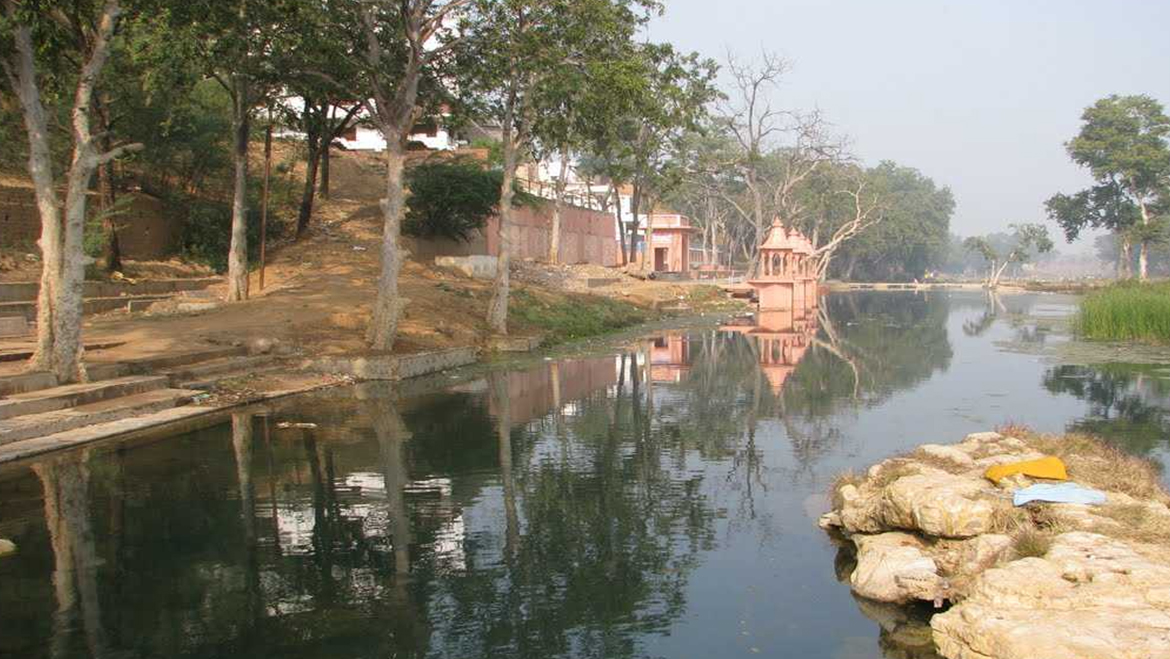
{"x":1036,"y":581}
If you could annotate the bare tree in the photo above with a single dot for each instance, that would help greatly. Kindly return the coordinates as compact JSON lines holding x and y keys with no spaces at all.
{"x":777,"y":149}
{"x":867,"y":211}
{"x":59,"y":303}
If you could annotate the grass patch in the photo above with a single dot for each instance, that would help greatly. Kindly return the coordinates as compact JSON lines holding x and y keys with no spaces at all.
{"x":1126,"y":311}
{"x":1032,"y":542}
{"x":565,"y":318}
{"x":1135,"y":522}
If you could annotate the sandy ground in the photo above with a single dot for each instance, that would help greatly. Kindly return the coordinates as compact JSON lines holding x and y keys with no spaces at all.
{"x":318,"y":292}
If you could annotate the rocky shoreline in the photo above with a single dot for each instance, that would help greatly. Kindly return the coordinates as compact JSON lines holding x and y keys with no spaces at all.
{"x":999,"y":581}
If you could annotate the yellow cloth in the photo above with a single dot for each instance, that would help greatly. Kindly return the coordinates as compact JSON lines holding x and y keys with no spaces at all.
{"x":1051,"y":468}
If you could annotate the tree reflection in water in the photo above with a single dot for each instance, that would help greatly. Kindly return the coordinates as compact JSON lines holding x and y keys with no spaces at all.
{"x":559,"y":510}
{"x":65,"y":482}
{"x":1129,"y":405}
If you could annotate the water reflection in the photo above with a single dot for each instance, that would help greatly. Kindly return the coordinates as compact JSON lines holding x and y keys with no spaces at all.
{"x":628,"y":504}
{"x":78,"y":617}
{"x":1128,"y":404}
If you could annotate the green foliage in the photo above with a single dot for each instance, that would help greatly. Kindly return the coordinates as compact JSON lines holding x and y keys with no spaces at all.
{"x":1025,"y":243}
{"x":575,"y":317}
{"x":912,"y":237}
{"x":494,"y":148}
{"x":451,"y":199}
{"x":1123,"y":140}
{"x":1127,"y":311}
{"x":207,"y":230}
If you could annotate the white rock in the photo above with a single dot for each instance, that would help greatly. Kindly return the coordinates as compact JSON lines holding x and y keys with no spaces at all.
{"x":7,"y":547}
{"x":893,"y":567}
{"x":951,"y":454}
{"x":941,"y":504}
{"x":1090,"y":597}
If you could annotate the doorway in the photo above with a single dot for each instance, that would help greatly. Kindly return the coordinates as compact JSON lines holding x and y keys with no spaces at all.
{"x":660,"y":259}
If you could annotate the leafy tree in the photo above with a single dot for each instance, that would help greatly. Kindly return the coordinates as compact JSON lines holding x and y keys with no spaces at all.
{"x":1123,"y":143}
{"x":522,"y":52}
{"x":39,"y":44}
{"x":1104,"y":206}
{"x":1027,"y":241}
{"x":403,"y":47}
{"x":911,"y":238}
{"x":452,"y":199}
{"x":236,"y":42}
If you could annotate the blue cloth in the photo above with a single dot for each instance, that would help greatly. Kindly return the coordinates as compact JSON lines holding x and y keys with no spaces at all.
{"x":1058,"y":493}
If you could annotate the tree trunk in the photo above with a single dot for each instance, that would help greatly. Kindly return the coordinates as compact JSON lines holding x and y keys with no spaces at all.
{"x":635,"y":203}
{"x":313,"y":140}
{"x":1125,"y":259}
{"x":264,"y":199}
{"x":107,"y":189}
{"x":59,"y":302}
{"x":22,"y":75}
{"x":326,"y":142}
{"x":1144,"y":246}
{"x":388,"y":305}
{"x":497,"y":314}
{"x":757,"y":218}
{"x":237,"y":278}
{"x":323,"y":187}
{"x":847,"y":275}
{"x":497,"y":317}
{"x":648,"y":250}
{"x":617,"y":211}
{"x":554,"y":239}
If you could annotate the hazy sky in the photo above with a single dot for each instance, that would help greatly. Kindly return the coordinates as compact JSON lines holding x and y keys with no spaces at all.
{"x":980,"y":95}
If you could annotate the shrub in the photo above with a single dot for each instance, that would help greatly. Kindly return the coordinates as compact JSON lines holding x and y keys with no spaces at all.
{"x":1127,"y":311}
{"x":452,"y":198}
{"x":207,"y":233}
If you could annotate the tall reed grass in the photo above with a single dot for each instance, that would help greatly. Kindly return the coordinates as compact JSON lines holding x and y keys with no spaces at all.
{"x":1126,"y":311}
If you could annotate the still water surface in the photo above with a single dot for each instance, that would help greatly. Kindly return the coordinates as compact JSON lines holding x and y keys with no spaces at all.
{"x":657,"y":500}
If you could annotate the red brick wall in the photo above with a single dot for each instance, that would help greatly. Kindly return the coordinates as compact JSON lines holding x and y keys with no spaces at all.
{"x":587,"y":236}
{"x":146,"y":230}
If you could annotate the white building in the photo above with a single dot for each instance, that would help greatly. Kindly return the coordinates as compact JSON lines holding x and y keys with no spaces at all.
{"x":365,"y":136}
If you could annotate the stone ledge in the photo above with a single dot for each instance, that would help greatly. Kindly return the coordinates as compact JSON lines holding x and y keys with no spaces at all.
{"x":513,"y":343}
{"x":393,"y":367}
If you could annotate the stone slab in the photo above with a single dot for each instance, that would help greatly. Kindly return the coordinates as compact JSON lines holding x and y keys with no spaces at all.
{"x":393,"y":367}
{"x":73,"y":395}
{"x":476,"y":266}
{"x":48,"y":423}
{"x":22,"y":382}
{"x":16,"y":325}
{"x":27,"y":291}
{"x":514,"y":343}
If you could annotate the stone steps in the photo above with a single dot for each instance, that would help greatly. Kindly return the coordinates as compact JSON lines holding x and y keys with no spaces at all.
{"x":206,"y":369}
{"x":27,"y":291}
{"x":76,"y":395}
{"x":14,"y":325}
{"x":23,"y":352}
{"x":90,"y":306}
{"x":29,"y":426}
{"x":189,"y":416}
{"x":37,"y":380}
{"x":161,"y":363}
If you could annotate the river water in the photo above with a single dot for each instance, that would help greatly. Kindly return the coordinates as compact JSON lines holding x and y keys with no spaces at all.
{"x":654,"y":499}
